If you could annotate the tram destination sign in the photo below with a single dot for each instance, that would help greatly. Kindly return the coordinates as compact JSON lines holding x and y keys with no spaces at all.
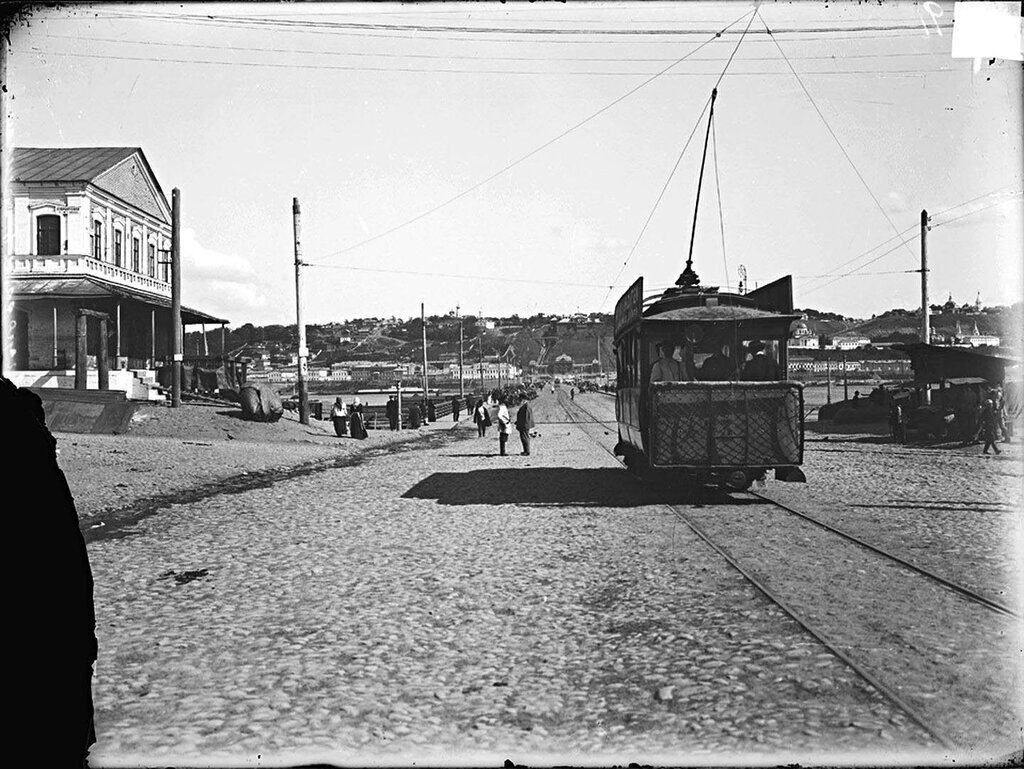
{"x":630,"y":306}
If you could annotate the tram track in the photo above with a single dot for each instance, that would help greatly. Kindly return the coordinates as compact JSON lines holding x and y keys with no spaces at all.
{"x":958,"y":588}
{"x":776,"y":583}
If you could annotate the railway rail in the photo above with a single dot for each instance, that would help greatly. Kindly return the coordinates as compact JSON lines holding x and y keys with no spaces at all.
{"x":688,"y":514}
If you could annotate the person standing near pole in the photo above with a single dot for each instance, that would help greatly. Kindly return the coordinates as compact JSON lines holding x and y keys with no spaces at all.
{"x":524,"y":424}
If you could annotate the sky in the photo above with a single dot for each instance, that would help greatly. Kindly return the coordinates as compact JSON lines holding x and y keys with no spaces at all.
{"x":527,"y":157}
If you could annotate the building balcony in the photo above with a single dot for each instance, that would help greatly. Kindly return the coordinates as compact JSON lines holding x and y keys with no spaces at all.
{"x":80,"y":265}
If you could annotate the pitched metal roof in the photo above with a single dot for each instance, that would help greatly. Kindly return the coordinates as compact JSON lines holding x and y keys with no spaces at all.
{"x":66,"y":164}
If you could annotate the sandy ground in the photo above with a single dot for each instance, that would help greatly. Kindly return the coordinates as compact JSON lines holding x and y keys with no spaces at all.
{"x":168,"y":451}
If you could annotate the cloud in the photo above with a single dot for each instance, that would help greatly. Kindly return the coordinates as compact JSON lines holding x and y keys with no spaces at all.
{"x":896,"y":202}
{"x":225,"y":285}
{"x":967,"y":213}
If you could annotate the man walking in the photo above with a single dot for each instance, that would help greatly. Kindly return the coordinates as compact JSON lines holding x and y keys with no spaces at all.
{"x":524,"y":423}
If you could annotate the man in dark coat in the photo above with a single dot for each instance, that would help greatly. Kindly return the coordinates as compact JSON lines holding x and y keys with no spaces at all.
{"x":718,"y":366}
{"x":392,"y":411}
{"x":51,"y":620}
{"x":759,"y":368}
{"x":524,"y":423}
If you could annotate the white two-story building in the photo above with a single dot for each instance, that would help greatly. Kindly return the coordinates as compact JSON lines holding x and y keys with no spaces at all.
{"x":90,"y":234}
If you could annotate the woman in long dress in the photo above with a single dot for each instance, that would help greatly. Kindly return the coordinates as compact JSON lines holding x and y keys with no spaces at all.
{"x":339,"y":415}
{"x":357,"y":428}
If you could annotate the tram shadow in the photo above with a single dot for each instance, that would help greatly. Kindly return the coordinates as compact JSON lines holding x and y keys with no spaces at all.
{"x":560,"y":487}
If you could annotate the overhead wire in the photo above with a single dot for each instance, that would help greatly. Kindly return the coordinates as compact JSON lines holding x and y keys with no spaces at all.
{"x":519,"y":160}
{"x":914,"y":227}
{"x":472,"y":71}
{"x":893,"y":32}
{"x":256,"y":21}
{"x":664,"y":187}
{"x":718,"y":195}
{"x":468,"y":57}
{"x":831,"y":132}
{"x":474,"y":276}
{"x":857,"y":270}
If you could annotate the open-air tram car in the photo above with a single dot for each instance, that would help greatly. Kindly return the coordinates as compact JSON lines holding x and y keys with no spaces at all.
{"x":716,"y":408}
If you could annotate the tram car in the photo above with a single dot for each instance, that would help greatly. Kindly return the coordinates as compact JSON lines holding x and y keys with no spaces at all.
{"x":702,"y":394}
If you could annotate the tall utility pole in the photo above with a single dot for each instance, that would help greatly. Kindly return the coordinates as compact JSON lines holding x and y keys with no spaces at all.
{"x":925,"y":321}
{"x":846,"y":381}
{"x":462,"y":381}
{"x":926,"y":330}
{"x":480,"y":352}
{"x":426,"y":382}
{"x":303,"y":350}
{"x":828,"y":380}
{"x":176,"y":335}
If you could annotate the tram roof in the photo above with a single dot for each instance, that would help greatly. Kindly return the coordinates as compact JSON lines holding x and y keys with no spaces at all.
{"x":715,"y":314}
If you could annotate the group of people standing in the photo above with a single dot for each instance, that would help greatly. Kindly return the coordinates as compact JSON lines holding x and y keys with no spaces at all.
{"x":348,"y":419}
{"x":524,"y":423}
{"x":675,"y":363}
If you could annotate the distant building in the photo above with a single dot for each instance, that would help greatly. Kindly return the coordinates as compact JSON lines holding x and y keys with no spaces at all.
{"x":848,"y":341}
{"x":803,"y":339}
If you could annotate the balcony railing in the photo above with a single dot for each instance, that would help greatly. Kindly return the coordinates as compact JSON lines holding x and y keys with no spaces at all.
{"x":79,"y":265}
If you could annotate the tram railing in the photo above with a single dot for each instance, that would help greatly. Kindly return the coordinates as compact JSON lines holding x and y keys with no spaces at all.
{"x":726,"y":424}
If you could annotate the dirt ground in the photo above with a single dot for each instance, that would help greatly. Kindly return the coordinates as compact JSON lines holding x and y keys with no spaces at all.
{"x":168,"y":451}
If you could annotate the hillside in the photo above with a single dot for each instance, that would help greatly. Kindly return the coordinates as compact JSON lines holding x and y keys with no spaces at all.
{"x":545,"y":337}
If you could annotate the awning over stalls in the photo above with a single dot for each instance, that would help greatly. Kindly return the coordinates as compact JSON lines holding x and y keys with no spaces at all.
{"x":936,"y":362}
{"x":27,"y":289}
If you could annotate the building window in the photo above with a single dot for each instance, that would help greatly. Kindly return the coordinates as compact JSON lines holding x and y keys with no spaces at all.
{"x":48,"y":235}
{"x":165,"y":268}
{"x":118,"y":244}
{"x":136,"y":266}
{"x":151,"y":260}
{"x":97,"y":240}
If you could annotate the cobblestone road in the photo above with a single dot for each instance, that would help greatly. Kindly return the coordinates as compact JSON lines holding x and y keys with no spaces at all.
{"x":438,"y":603}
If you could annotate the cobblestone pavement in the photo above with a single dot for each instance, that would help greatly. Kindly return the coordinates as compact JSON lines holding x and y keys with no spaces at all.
{"x":438,"y":603}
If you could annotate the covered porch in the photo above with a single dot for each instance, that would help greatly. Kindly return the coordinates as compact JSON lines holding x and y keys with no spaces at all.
{"x":85,"y":333}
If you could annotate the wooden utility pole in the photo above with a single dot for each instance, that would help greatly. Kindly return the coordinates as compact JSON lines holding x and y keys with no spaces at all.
{"x":423,"y":323}
{"x":480,"y":352}
{"x":828,"y":380}
{"x":846,"y":381}
{"x":303,"y":351}
{"x":176,"y":336}
{"x":925,"y":321}
{"x":462,"y":381}
{"x":926,"y":330}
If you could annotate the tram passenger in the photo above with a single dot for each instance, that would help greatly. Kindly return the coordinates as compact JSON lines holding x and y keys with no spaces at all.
{"x":718,"y":367}
{"x":760,"y":368}
{"x":666,"y":368}
{"x":683,"y":355}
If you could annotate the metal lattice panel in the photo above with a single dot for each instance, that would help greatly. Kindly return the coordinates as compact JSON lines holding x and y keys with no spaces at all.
{"x":741,"y":424}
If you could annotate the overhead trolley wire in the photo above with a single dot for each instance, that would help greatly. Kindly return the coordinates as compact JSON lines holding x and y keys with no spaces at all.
{"x":857,"y":270}
{"x":674,"y":167}
{"x":422,"y":71}
{"x":522,"y":158}
{"x":474,"y":276}
{"x":279,"y":23}
{"x":471,"y":57}
{"x":916,"y":227}
{"x":238,"y":23}
{"x":831,"y":132}
{"x":718,"y":195}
